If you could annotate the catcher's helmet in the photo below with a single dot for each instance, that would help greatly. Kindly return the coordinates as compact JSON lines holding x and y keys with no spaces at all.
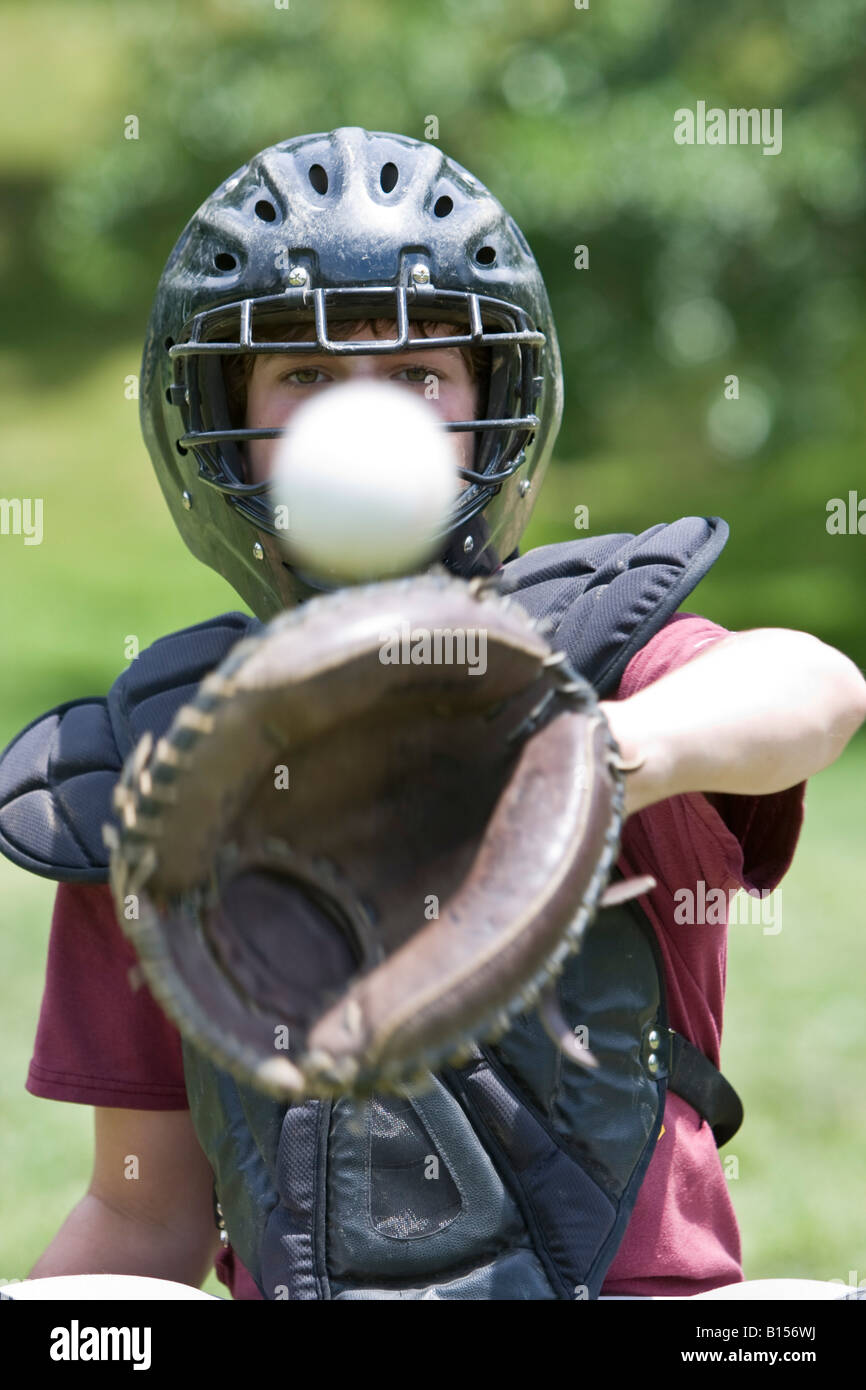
{"x":345,"y":225}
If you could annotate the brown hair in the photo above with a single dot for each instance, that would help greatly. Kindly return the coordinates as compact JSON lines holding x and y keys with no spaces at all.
{"x":237,"y":370}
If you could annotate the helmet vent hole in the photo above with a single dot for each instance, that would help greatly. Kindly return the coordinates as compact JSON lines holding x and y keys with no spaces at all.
{"x":265,"y":210}
{"x":180,"y":448}
{"x":443,"y":206}
{"x":224,"y":260}
{"x":485,"y":255}
{"x":319,"y":178}
{"x":388,"y":177}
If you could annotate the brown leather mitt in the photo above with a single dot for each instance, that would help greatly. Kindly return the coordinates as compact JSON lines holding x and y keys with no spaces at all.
{"x":370,"y":840}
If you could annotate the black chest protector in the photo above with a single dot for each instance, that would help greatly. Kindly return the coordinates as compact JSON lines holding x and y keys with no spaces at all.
{"x":514,"y":1176}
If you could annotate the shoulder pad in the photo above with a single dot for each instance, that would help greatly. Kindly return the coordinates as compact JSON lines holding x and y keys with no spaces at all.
{"x":603,"y":598}
{"x":57,"y":776}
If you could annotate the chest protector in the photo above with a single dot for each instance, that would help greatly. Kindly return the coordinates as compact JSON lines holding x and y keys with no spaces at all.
{"x":512,"y":1177}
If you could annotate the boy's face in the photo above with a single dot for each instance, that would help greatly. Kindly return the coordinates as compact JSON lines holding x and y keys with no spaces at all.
{"x":280,"y":382}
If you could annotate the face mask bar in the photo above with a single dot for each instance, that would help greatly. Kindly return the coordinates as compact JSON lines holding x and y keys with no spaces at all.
{"x":198,"y":387}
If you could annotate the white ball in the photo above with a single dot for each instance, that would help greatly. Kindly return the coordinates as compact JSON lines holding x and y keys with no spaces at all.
{"x":364,"y":481}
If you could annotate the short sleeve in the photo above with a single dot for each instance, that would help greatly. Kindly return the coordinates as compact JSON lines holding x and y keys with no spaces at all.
{"x":757,"y":834}
{"x":101,"y":1038}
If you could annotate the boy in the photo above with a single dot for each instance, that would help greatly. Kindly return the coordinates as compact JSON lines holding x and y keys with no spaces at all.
{"x":327,"y":250}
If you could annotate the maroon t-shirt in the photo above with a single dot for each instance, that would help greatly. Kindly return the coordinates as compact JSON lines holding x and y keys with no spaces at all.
{"x":102,"y":1040}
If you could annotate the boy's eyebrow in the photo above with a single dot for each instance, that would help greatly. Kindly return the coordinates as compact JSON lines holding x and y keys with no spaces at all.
{"x":314,"y":351}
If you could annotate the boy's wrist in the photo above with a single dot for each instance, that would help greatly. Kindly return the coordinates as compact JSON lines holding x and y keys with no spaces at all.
{"x":654,"y":777}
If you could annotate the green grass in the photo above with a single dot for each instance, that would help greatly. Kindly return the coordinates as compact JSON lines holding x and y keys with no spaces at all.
{"x":794,"y":1043}
{"x":47,"y":1147}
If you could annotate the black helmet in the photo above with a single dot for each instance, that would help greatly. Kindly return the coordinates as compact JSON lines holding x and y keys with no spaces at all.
{"x":346,"y":225}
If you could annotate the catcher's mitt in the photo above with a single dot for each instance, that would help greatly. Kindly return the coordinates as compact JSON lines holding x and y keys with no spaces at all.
{"x":349,"y":859}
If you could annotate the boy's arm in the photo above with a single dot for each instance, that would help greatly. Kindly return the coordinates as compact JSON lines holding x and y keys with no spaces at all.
{"x":159,"y":1224}
{"x":754,"y":713}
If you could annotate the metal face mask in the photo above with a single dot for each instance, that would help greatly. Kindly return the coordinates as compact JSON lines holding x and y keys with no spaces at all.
{"x":332,"y":228}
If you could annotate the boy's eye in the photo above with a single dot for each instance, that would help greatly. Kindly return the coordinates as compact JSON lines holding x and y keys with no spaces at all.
{"x":302,"y":376}
{"x":419,"y":374}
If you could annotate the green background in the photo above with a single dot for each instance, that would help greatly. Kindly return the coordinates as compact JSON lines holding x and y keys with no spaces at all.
{"x":704,"y":261}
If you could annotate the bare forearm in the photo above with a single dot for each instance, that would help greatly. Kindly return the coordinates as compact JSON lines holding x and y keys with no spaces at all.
{"x":753,"y":714}
{"x":95,"y":1239}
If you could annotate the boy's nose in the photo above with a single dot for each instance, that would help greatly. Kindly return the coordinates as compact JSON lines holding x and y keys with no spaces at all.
{"x":365,"y":365}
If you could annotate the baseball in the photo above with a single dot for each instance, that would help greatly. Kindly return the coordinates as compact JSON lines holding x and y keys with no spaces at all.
{"x":364,"y":481}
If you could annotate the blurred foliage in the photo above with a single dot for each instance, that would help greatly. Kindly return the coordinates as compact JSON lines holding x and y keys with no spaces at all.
{"x":704,"y":261}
